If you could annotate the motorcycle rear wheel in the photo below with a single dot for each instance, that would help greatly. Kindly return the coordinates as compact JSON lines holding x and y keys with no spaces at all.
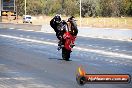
{"x":65,"y":54}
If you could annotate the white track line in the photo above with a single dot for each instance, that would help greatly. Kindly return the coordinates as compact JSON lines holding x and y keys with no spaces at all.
{"x":102,"y":52}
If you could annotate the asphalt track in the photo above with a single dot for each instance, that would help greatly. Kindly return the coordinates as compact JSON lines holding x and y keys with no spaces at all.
{"x":30,"y":60}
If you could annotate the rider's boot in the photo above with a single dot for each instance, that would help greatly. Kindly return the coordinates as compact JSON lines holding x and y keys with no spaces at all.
{"x":72,"y":45}
{"x":59,"y":43}
{"x":60,"y":47}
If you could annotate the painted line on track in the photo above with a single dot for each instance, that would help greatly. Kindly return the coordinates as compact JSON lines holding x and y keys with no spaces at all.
{"x":102,"y":52}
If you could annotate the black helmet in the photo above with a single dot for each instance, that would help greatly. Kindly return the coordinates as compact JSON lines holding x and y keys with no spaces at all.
{"x":71,"y":18}
{"x":57,"y":18}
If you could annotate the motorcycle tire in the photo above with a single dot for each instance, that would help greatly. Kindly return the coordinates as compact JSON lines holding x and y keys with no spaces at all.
{"x":65,"y":54}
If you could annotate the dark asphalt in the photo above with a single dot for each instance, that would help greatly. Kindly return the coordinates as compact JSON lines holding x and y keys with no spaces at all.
{"x":26,"y":64}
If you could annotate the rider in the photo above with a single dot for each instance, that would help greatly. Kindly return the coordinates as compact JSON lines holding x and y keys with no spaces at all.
{"x":72,"y":27}
{"x":59,"y":27}
{"x":55,"y":23}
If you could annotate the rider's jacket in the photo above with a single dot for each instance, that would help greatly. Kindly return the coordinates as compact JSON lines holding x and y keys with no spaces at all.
{"x":72,"y":26}
{"x":55,"y":22}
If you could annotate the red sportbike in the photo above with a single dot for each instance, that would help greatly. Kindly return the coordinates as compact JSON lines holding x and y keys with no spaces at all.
{"x":68,"y":39}
{"x":68,"y":45}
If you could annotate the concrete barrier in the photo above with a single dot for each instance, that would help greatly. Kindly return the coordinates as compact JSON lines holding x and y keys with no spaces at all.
{"x":21,"y":26}
{"x":47,"y":29}
{"x":106,"y":33}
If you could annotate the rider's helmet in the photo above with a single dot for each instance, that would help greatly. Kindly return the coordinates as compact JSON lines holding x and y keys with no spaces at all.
{"x":73,"y":26}
{"x":71,"y":18}
{"x":57,"y":18}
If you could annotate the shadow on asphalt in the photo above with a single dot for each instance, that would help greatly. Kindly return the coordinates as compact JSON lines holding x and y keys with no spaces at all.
{"x":57,"y":59}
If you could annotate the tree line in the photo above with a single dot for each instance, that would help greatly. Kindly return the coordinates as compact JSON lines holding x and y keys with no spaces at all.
{"x":90,"y":8}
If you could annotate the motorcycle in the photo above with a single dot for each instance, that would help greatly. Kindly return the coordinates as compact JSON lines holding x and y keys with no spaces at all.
{"x":68,"y":39}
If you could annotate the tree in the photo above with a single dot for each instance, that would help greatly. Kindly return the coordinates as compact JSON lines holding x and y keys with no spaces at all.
{"x":91,"y":8}
{"x":20,"y":7}
{"x":128,"y":7}
{"x":71,"y":7}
